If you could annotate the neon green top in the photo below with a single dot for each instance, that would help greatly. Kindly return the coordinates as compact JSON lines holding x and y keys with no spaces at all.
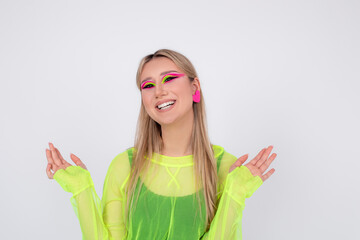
{"x":167,"y":207}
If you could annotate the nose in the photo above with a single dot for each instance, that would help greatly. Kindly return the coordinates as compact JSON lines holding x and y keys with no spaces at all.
{"x":160,"y":91}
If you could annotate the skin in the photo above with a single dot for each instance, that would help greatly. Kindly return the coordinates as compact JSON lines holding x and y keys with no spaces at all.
{"x":176,"y":124}
{"x":258,"y":164}
{"x":56,"y":161}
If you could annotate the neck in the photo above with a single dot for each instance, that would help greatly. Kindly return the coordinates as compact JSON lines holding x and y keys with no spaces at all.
{"x":177,"y":137}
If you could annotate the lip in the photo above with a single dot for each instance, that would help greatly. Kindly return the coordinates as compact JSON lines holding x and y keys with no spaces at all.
{"x":163,"y":101}
{"x":167,"y":109}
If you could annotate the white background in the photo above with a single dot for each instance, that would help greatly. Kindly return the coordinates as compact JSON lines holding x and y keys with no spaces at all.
{"x":281,"y":73}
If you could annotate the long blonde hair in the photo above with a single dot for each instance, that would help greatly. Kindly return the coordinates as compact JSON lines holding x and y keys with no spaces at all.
{"x":148,"y":140}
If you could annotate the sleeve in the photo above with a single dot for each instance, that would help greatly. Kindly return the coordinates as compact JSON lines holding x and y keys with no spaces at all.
{"x":234,"y":188}
{"x":98,"y":219}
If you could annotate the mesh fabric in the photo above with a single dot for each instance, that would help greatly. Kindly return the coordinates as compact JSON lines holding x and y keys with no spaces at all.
{"x":167,"y":207}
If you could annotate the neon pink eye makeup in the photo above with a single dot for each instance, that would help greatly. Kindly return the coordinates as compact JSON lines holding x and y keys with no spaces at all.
{"x":165,"y":79}
{"x":147,"y":84}
{"x":171,"y":76}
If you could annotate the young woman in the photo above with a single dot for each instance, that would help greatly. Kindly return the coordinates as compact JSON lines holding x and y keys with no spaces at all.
{"x":173,"y":184}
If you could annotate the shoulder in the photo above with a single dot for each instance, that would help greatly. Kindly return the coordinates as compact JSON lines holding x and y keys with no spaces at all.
{"x":218,"y":151}
{"x":120,"y":165}
{"x":226,"y":159}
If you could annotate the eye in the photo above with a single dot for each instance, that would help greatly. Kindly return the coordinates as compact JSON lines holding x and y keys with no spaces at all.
{"x":169,"y":78}
{"x":147,"y":85}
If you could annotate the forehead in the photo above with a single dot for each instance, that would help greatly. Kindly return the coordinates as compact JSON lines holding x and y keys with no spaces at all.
{"x":156,"y":66}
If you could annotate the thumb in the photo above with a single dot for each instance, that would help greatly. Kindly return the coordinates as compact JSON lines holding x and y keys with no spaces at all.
{"x":77,"y":161}
{"x":239,"y":162}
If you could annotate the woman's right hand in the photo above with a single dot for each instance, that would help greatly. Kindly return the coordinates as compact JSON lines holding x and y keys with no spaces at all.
{"x":56,"y":161}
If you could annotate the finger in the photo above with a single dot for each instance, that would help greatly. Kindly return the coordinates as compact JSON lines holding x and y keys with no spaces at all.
{"x":63,"y":161}
{"x":268,"y":174}
{"x":242,"y":159}
{"x":54,"y":167}
{"x":267,"y":163}
{"x":49,"y":157}
{"x":239,"y":162}
{"x":48,"y":171}
{"x":60,"y":156}
{"x":54,"y":155}
{"x":77,"y":161}
{"x":258,"y":156}
{"x":264,"y":156}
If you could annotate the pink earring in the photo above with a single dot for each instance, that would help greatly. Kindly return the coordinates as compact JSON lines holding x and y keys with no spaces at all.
{"x":196,"y":96}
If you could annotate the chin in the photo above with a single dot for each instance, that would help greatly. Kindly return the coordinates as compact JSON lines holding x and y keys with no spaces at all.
{"x":165,"y":122}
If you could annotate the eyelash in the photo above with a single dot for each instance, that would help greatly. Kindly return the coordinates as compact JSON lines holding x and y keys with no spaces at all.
{"x":171,"y":77}
{"x":166,"y":79}
{"x":148,"y":85}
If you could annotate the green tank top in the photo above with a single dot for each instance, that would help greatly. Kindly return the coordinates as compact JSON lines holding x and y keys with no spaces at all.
{"x":167,"y":217}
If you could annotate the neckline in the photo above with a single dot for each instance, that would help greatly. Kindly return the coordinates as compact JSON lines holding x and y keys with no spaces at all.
{"x":172,"y":157}
{"x":183,"y":161}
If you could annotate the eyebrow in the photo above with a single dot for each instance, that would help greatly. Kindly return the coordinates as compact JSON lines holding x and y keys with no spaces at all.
{"x":163,"y":73}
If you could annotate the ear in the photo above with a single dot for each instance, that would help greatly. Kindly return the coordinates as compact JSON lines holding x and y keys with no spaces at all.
{"x":195,"y":85}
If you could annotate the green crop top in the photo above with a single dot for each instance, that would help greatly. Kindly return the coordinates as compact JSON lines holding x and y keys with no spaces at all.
{"x":167,"y":207}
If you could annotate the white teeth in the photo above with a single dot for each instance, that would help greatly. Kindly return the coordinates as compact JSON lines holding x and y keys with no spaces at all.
{"x":166,"y":105}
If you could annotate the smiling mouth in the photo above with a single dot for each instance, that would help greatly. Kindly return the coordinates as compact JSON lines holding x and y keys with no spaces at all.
{"x":166,"y":105}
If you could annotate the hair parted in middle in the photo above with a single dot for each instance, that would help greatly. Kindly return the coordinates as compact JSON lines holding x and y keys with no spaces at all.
{"x":148,"y":140}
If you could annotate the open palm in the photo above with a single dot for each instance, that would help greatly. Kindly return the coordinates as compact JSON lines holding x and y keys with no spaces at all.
{"x":258,"y":164}
{"x":56,"y":161}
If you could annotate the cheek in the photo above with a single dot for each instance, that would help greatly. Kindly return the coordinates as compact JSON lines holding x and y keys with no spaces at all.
{"x":181,"y":88}
{"x":186,"y":92}
{"x":146,"y":99}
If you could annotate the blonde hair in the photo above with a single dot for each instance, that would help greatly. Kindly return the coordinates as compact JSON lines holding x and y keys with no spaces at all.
{"x":148,"y":140}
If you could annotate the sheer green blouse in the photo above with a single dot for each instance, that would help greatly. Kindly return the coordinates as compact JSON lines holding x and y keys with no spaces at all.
{"x":167,"y":207}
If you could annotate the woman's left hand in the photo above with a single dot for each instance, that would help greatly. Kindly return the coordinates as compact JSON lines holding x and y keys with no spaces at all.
{"x":258,"y":164}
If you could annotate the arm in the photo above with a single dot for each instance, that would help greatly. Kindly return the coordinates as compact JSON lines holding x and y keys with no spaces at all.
{"x":98,"y":219}
{"x":240,"y":184}
{"x":84,"y":200}
{"x":114,"y":196}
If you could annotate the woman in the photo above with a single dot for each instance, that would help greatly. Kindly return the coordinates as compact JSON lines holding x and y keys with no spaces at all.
{"x":173,"y":184}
